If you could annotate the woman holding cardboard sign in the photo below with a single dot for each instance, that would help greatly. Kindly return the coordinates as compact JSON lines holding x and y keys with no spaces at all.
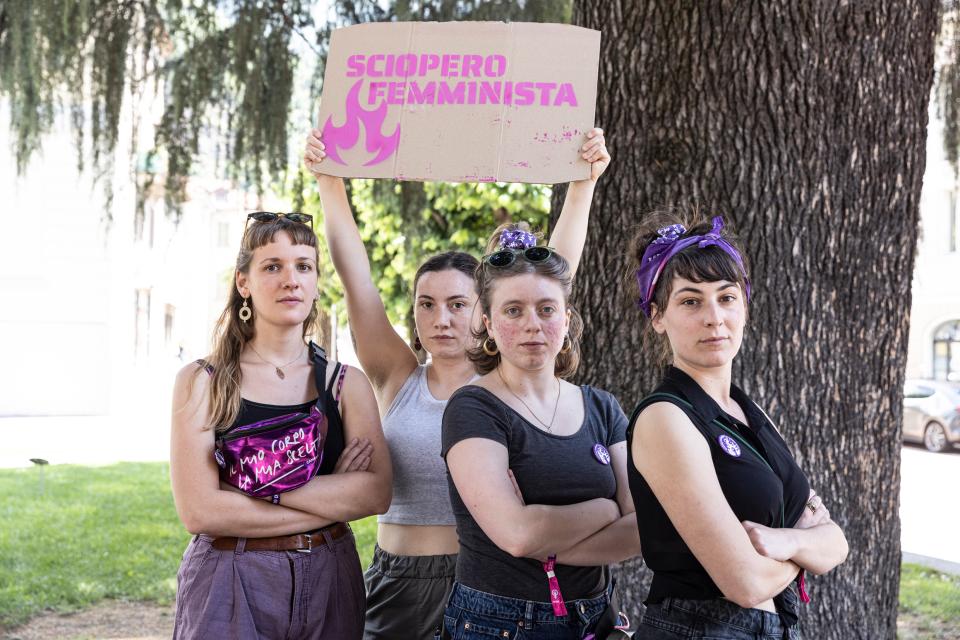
{"x":415,"y":559}
{"x":272,"y":450}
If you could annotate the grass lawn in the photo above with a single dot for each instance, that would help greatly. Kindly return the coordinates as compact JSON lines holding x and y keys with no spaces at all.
{"x":112,"y":532}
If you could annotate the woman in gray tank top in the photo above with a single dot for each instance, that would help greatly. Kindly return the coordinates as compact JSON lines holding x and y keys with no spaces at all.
{"x":415,"y":557}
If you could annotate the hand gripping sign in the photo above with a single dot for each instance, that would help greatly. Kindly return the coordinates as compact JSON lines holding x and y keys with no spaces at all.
{"x":459,"y":101}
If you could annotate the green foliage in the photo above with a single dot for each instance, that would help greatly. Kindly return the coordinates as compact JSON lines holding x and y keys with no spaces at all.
{"x":403,"y":223}
{"x":226,"y":71}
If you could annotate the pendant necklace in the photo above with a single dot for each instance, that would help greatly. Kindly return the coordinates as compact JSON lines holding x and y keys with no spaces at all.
{"x":278,"y":369}
{"x":548,"y":427}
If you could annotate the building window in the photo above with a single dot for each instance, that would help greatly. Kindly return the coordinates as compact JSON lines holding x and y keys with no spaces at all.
{"x":946,"y":352}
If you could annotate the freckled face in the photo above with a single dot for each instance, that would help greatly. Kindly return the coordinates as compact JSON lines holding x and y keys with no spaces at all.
{"x":704,"y":322}
{"x":528,"y":320}
{"x":281,"y":281}
{"x":443,"y":308}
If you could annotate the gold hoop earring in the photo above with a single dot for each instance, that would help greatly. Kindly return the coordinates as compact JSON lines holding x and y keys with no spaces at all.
{"x":245,"y":312}
{"x":567,"y":344}
{"x":487,"y":349}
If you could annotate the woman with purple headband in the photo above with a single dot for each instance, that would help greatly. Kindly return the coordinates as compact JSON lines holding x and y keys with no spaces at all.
{"x":414,"y":560}
{"x":730,"y":524}
{"x":537,"y":466}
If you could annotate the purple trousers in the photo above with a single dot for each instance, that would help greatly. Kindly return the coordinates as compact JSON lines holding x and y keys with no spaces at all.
{"x":273,"y":595}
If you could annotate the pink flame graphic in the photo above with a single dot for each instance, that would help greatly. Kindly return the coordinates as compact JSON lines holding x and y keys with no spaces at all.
{"x":346,"y":136}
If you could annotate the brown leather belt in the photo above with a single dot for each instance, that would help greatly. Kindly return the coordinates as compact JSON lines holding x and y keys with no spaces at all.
{"x":301,"y":542}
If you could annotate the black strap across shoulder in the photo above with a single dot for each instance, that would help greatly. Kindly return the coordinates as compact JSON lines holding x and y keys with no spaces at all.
{"x":319,"y":358}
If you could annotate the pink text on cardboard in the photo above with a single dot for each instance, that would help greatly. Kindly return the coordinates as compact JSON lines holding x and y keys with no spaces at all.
{"x":461,"y":102}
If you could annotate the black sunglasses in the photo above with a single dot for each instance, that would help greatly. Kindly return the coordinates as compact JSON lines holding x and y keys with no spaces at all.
{"x":267,"y":216}
{"x":506,"y":257}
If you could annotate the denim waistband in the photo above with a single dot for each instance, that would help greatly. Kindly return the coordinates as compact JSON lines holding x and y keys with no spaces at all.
{"x":531,"y":611}
{"x":724,"y":612}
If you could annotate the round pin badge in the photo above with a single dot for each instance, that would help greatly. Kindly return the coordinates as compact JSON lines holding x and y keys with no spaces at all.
{"x":601,"y":454}
{"x":729,"y":445}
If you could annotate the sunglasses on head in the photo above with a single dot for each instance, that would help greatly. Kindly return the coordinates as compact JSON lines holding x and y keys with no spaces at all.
{"x":506,"y":257}
{"x":268,"y":216}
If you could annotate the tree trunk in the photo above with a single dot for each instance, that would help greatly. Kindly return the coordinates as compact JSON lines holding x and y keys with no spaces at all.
{"x":803,"y":124}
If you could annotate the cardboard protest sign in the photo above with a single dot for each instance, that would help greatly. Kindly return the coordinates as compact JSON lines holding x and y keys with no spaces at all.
{"x":459,"y":101}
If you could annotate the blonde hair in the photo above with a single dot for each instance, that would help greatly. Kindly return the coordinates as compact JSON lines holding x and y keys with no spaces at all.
{"x":231,"y":334}
{"x":555,"y":268}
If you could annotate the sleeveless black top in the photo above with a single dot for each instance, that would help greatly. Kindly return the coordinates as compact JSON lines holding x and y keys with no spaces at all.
{"x":757,"y":473}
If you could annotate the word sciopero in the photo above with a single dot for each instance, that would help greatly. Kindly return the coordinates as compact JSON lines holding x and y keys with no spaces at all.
{"x":484,"y":86}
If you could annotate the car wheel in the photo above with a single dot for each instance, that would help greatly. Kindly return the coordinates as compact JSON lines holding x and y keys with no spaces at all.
{"x":935,"y":438}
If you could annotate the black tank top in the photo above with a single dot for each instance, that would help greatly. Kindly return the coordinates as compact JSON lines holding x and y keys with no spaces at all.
{"x":757,"y":473}
{"x":335,"y":443}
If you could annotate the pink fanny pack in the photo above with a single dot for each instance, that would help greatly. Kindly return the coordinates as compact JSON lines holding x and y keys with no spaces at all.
{"x":269,"y":457}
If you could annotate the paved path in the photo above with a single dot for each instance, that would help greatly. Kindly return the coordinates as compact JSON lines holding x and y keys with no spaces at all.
{"x":929,"y":517}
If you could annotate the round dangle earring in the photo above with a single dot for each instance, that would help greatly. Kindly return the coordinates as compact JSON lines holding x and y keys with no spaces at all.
{"x":245,"y":312}
{"x":417,"y":346}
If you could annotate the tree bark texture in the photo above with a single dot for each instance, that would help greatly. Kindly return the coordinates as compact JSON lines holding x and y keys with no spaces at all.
{"x":804,"y":125}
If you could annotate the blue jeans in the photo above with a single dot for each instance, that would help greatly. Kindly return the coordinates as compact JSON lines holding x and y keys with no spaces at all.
{"x":477,"y":615}
{"x":716,"y":619}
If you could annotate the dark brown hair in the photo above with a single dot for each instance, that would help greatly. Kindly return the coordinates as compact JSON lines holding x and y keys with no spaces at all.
{"x":457,"y":260}
{"x":707,"y":264}
{"x":555,"y":268}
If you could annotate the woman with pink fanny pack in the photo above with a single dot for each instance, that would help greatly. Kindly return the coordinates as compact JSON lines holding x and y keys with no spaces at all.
{"x":272,"y":451}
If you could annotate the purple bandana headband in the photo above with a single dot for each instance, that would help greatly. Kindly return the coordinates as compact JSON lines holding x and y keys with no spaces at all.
{"x":669,"y":244}
{"x":517,"y":239}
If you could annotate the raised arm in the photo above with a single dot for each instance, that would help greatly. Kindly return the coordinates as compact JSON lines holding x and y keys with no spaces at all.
{"x":353,"y":494}
{"x":479,"y":470}
{"x":570,"y":232}
{"x":383,"y":354}
{"x":618,"y":541}
{"x":675,"y":461}
{"x":202,"y":505}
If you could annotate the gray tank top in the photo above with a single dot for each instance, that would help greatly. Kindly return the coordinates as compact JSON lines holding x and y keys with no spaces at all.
{"x":412,"y":427}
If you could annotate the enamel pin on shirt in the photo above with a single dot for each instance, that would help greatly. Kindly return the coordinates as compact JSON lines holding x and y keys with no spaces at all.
{"x":729,"y":445}
{"x":601,"y":454}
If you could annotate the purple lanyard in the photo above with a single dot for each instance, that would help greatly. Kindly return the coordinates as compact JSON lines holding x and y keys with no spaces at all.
{"x":556,"y":598}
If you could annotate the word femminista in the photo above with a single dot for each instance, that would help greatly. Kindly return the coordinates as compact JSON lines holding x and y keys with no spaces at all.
{"x":452,"y":65}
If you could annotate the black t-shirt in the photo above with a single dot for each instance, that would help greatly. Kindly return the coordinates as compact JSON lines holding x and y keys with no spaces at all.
{"x":773,"y":496}
{"x":550,"y":470}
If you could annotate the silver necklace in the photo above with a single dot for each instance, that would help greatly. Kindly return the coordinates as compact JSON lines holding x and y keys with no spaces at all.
{"x":548,"y":427}
{"x":278,"y":369}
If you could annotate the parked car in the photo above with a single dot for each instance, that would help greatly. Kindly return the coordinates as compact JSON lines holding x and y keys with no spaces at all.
{"x":931,"y":413}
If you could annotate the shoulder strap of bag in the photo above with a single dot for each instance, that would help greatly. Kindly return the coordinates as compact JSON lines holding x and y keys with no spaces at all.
{"x":319,"y":357}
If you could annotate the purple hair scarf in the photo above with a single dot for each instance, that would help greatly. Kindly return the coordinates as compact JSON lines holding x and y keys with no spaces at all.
{"x":668,"y":244}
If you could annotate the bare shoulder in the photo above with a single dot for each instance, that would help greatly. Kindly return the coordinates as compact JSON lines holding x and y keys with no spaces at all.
{"x":190,"y":393}
{"x":664,"y":424}
{"x":192,"y":379}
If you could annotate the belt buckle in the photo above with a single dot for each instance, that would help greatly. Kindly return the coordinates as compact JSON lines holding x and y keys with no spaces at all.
{"x":309,"y":544}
